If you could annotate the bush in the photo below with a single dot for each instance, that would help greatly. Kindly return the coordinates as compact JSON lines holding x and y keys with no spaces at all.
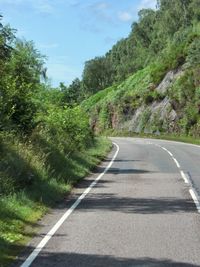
{"x":67,"y":128}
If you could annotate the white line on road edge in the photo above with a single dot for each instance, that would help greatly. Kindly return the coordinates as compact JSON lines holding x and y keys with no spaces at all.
{"x":49,"y":235}
{"x":194,"y":197}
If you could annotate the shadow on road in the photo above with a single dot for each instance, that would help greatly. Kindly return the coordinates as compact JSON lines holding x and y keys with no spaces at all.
{"x":122,"y":160}
{"x":86,"y":260}
{"x":111,"y":202}
{"x":117,"y":171}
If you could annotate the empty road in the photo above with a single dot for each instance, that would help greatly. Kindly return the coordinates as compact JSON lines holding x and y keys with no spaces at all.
{"x":142,"y":212}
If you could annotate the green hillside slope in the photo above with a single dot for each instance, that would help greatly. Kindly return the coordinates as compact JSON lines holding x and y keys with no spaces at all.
{"x":163,"y":97}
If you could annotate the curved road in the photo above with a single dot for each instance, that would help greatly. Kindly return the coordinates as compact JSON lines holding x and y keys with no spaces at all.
{"x":140,"y":213}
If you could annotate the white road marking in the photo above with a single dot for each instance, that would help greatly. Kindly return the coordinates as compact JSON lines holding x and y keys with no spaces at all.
{"x":50,"y":234}
{"x":170,"y":153}
{"x":177,"y":164}
{"x":186,"y":180}
{"x":175,"y":142}
{"x":184,"y":177}
{"x":194,"y":197}
{"x":167,"y":151}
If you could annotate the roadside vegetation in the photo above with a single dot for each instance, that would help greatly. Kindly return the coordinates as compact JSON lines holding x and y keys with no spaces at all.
{"x":46,"y":143}
{"x":47,"y":135}
{"x":163,"y":41}
{"x":35,"y":177}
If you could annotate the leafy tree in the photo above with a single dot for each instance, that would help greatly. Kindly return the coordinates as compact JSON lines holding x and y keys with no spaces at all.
{"x":73,"y":94}
{"x":143,"y":30}
{"x":20,"y":81}
{"x":96,"y":74}
{"x":6,"y":40}
{"x":6,"y":47}
{"x":149,"y":38}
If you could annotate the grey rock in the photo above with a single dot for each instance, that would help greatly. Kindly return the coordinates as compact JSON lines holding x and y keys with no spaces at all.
{"x":168,"y":80}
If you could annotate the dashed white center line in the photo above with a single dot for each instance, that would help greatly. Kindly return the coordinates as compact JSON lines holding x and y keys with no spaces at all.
{"x":177,"y":164}
{"x":194,"y":197}
{"x":186,"y":179}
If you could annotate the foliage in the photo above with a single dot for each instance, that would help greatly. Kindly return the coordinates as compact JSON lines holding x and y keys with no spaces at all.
{"x":20,"y":81}
{"x":193,"y":57}
{"x":73,"y":94}
{"x":51,"y":174}
{"x":46,"y":143}
{"x":68,"y":128}
{"x":163,"y":40}
{"x":153,"y":36}
{"x":45,"y":132}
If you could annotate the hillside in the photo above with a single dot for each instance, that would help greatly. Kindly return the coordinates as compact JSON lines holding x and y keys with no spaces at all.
{"x":149,"y":82}
{"x":161,"y":97}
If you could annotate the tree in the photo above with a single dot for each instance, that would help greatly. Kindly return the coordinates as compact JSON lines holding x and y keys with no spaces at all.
{"x":96,"y":75}
{"x":73,"y":94}
{"x":143,"y":30}
{"x":6,"y":47}
{"x":20,"y":81}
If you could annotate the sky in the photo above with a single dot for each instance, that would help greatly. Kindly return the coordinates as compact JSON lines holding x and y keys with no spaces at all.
{"x":70,"y":32}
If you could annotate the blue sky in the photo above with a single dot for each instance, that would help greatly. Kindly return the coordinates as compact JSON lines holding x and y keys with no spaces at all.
{"x":69,"y":32}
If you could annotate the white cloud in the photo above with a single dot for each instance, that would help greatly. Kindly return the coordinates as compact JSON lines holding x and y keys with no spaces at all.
{"x":100,"y":6}
{"x":131,"y":14}
{"x":73,"y":3}
{"x":125,"y":16}
{"x":94,"y":16}
{"x":147,"y":4}
{"x":43,"y":6}
{"x":101,"y":11}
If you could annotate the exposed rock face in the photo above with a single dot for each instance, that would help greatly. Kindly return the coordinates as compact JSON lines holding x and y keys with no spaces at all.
{"x":134,"y":124}
{"x":157,"y":116}
{"x":169,"y":78}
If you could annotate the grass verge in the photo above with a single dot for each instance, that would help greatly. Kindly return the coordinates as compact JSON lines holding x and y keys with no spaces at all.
{"x":170,"y":137}
{"x":19,"y":211}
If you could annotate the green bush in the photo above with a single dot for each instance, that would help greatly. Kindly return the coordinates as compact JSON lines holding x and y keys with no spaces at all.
{"x":67,"y":128}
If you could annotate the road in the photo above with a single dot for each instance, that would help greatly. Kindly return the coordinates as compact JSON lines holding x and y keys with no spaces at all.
{"x":140,"y":213}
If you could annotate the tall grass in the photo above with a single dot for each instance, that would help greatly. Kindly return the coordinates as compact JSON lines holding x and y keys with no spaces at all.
{"x":35,"y":176}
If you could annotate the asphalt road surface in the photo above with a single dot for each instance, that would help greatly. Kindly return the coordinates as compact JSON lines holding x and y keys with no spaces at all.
{"x":142,"y":212}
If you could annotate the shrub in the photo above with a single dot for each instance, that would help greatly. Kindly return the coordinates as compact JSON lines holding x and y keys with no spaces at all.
{"x":67,"y":128}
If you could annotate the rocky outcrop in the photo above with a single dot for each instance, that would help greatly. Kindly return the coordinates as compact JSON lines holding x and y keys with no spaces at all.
{"x":157,"y":116}
{"x":168,"y":80}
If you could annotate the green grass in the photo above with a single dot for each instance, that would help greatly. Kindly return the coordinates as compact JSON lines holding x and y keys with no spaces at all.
{"x":19,"y":211}
{"x":135,"y":85}
{"x":119,"y":99}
